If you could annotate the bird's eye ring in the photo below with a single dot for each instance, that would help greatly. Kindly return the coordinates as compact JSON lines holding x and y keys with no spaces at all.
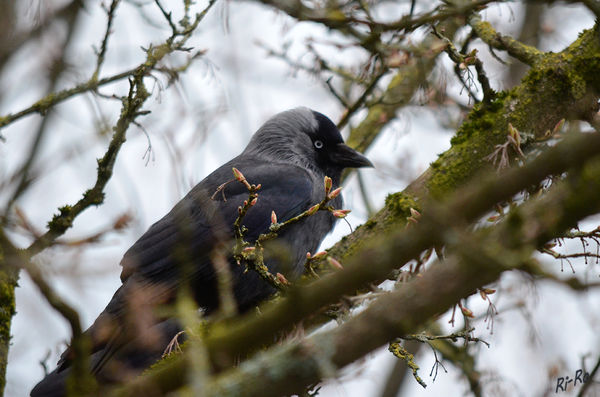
{"x":318,"y":144}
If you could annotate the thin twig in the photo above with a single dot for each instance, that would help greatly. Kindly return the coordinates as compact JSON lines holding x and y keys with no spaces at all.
{"x":131,"y":110}
{"x":104,"y":46}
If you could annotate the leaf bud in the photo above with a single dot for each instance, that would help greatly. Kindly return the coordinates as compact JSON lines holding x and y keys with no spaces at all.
{"x":340,"y":213}
{"x":313,"y":209}
{"x":334,"y":193}
{"x":281,"y":278}
{"x":238,"y":175}
{"x":328,"y":183}
{"x":334,"y":262}
{"x":273,"y":218}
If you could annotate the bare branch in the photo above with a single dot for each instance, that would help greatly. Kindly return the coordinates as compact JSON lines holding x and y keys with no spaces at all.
{"x":104,"y":46}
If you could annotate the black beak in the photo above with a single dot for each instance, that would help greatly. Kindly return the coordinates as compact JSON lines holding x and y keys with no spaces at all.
{"x":347,"y":157}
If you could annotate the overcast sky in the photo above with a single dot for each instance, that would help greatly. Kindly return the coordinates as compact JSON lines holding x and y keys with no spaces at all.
{"x":204,"y":120}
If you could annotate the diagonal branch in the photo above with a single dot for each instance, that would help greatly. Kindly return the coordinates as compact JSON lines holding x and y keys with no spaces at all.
{"x":524,"y":53}
{"x":228,"y":340}
{"x":294,"y":365}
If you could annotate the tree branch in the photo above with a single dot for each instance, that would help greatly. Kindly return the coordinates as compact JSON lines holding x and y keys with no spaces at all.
{"x":294,"y":365}
{"x":228,"y":340}
{"x":524,"y":53}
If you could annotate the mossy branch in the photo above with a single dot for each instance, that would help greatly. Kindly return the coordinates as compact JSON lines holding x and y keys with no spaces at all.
{"x":95,"y":196}
{"x":399,"y":351}
{"x":8,"y":282}
{"x":410,"y":306}
{"x":523,"y":52}
{"x":233,"y":338}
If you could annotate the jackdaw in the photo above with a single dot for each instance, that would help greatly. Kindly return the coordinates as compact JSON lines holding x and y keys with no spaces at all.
{"x":289,"y":156}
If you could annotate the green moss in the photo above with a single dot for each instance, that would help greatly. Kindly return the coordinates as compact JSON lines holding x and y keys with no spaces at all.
{"x":8,"y":282}
{"x":63,"y":220}
{"x":584,"y":54}
{"x":94,"y":197}
{"x":370,"y":224}
{"x":482,"y":118}
{"x":166,"y":361}
{"x":561,"y":85}
{"x":45,"y":103}
{"x":477,"y":137}
{"x":398,"y":206}
{"x":80,"y":381}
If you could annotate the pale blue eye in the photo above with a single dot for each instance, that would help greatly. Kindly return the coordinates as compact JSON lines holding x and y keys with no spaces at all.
{"x":318,"y":144}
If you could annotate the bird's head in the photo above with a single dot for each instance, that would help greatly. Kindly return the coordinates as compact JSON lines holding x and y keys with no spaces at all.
{"x":307,"y":138}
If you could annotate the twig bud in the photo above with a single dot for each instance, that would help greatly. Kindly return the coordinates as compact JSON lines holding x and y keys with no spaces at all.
{"x":254,"y":200}
{"x":313,"y":209}
{"x":334,"y":193}
{"x":328,"y":183}
{"x":467,"y":312}
{"x":238,"y":175}
{"x":558,"y":127}
{"x":414,"y":213}
{"x":281,"y":278}
{"x":319,"y":254}
{"x":334,"y":262}
{"x":122,"y":222}
{"x":273,"y":217}
{"x":340,"y":213}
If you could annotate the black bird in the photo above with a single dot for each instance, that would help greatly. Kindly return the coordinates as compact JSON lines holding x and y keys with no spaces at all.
{"x":289,"y":156}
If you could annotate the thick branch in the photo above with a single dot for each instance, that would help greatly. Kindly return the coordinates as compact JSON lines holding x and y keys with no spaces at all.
{"x":229,"y":339}
{"x":293,"y":366}
{"x":8,"y":281}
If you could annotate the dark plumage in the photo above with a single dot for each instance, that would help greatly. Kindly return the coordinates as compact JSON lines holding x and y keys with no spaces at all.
{"x":289,"y":156}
